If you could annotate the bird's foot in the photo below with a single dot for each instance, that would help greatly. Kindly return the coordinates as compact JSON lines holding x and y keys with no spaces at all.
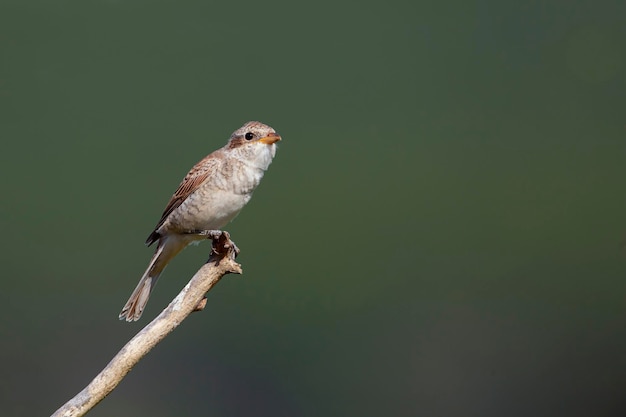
{"x":215,"y":236}
{"x":209,"y":234}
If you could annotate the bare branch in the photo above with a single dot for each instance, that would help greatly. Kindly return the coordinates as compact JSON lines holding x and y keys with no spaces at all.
{"x":190,"y":299}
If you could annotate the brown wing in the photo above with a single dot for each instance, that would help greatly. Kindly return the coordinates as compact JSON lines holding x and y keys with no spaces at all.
{"x":192,"y":181}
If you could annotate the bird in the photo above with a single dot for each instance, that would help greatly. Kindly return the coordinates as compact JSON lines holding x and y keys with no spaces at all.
{"x":212,"y":193}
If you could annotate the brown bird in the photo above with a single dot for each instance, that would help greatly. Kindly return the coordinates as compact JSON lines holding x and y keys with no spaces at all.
{"x":211,"y":195}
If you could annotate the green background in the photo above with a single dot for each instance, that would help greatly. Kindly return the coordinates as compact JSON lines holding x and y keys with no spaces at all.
{"x":439,"y":235}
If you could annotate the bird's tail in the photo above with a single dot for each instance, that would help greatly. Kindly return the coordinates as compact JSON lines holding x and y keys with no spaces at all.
{"x":135,"y":305}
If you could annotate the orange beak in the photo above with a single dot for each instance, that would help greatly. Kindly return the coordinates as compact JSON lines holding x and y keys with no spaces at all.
{"x":270,"y":139}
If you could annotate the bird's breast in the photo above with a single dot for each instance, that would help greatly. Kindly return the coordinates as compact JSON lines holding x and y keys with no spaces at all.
{"x":216,"y":202}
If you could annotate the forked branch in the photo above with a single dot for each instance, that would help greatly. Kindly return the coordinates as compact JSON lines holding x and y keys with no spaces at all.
{"x":190,"y":299}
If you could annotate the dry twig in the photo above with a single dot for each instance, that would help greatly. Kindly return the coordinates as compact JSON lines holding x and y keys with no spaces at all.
{"x":190,"y":299}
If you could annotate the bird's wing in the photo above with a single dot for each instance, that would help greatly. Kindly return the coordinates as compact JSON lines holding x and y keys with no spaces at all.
{"x":192,"y":181}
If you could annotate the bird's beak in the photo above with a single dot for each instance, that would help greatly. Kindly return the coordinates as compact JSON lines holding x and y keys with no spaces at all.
{"x":270,"y":139}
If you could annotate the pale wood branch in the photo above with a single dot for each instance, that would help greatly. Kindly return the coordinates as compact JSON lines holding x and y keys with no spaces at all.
{"x":190,"y":299}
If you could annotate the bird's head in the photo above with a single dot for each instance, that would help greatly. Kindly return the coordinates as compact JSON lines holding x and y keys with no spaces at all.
{"x":255,"y":142}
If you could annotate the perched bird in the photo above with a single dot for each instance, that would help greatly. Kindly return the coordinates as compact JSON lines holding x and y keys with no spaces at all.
{"x":211,"y":195}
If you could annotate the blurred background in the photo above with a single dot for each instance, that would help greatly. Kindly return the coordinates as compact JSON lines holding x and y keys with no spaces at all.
{"x":440,"y":233}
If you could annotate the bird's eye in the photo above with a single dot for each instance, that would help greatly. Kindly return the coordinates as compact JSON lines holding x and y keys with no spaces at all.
{"x":249,"y":136}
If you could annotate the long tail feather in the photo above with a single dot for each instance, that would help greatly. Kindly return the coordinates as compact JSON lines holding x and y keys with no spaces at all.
{"x":133,"y":309}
